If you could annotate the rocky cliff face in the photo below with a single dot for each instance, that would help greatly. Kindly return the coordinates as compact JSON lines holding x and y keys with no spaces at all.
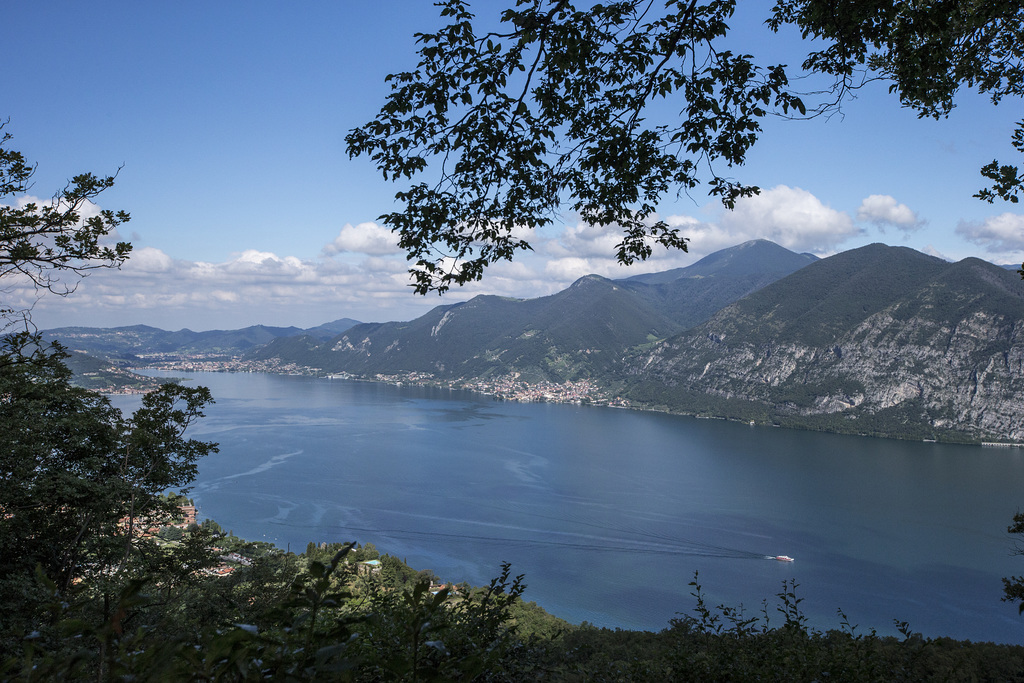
{"x":945,"y":358}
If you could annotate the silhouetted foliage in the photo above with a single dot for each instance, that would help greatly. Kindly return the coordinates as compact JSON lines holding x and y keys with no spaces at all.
{"x":318,"y":627}
{"x":42,"y":241}
{"x":1013,"y":586}
{"x":504,"y":123}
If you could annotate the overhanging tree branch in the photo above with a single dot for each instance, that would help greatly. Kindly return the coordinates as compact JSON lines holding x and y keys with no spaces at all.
{"x":564,"y":117}
{"x":44,"y":241}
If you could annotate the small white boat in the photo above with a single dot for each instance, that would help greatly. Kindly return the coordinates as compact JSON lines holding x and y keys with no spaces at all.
{"x":782,"y":558}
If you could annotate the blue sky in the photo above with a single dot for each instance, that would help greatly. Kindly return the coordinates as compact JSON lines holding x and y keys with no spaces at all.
{"x":228,"y":122}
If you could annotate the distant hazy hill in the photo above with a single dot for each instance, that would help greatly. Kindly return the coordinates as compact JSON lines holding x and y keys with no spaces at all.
{"x":579,"y":332}
{"x":101,"y":375}
{"x":130,"y":342}
{"x":331,"y":329}
{"x":879,"y":340}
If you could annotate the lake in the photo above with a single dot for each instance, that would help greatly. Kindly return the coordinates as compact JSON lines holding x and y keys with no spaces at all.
{"x":610,"y":512}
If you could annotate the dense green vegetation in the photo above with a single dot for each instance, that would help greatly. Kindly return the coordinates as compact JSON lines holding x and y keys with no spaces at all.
{"x":908,"y":420}
{"x":328,"y":614}
{"x":826,"y":300}
{"x":574,"y":334}
{"x":883,"y":341}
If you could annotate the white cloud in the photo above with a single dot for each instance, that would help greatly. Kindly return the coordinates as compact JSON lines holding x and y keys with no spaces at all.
{"x":257,"y":258}
{"x":789,"y":216}
{"x":365,"y":238}
{"x":367,"y":278}
{"x":1002,"y":233}
{"x":583,"y":240}
{"x":221,"y":295}
{"x":385,"y":265}
{"x":932,"y":251}
{"x":148,"y":260}
{"x":569,"y":268}
{"x":883,"y":210}
{"x":86,"y":210}
{"x":558,"y":273}
{"x":513,"y":270}
{"x":253,"y":286}
{"x":265,"y":263}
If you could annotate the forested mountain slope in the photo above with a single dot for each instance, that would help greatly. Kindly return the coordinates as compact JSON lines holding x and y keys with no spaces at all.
{"x":693,"y":294}
{"x":580,"y":332}
{"x":575,"y":333}
{"x":881,"y":340}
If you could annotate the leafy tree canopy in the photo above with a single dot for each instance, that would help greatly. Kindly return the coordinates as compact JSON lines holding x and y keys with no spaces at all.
{"x":504,"y":123}
{"x":1013,"y":586}
{"x":41,"y":241}
{"x":79,"y":483}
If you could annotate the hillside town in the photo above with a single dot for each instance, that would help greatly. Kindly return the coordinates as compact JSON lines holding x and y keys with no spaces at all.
{"x":512,"y":387}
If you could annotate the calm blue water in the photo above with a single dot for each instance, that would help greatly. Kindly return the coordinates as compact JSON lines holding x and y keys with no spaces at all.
{"x":610,"y":512}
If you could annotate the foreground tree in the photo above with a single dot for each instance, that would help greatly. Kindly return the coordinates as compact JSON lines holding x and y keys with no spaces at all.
{"x":77,"y":479}
{"x":41,"y":242}
{"x":1013,"y":586}
{"x":502,"y":124}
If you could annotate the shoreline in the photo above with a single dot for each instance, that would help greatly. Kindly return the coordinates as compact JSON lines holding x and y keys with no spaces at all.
{"x":511,"y":387}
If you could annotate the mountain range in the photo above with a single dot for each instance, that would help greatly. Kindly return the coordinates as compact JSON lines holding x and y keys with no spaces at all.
{"x":580,"y":332}
{"x":134,"y":342}
{"x":878,"y":340}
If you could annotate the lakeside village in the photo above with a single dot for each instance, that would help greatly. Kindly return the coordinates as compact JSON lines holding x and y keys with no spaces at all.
{"x":510,"y":387}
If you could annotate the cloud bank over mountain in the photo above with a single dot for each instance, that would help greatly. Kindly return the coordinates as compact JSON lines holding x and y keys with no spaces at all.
{"x":361,"y":272}
{"x":1002,"y":233}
